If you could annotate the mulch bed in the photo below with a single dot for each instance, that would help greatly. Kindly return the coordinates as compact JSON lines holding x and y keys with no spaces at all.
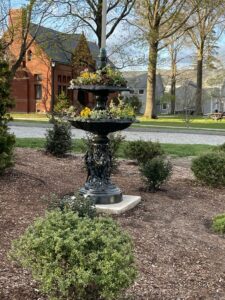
{"x":177,"y":254}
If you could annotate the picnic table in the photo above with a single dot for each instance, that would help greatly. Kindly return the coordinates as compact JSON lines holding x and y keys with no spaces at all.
{"x":217,"y":116}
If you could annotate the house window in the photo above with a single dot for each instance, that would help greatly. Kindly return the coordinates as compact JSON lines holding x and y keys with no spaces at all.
{"x":141,"y":92}
{"x":65,"y":89}
{"x":38,"y":91}
{"x":64,"y":79}
{"x":59,"y":90}
{"x":132,"y":92}
{"x":59,"y":78}
{"x":37,"y":77}
{"x":29,"y":55}
{"x":68,"y":79}
{"x":164,"y":106}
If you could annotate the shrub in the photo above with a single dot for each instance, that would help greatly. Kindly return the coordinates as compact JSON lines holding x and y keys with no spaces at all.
{"x":7,"y":142}
{"x":62,"y":103}
{"x":143,"y":150}
{"x":83,"y":206}
{"x":59,"y":138}
{"x":76,"y":258}
{"x":209,"y":168}
{"x":134,"y":101}
{"x":155,"y":172}
{"x":218,"y":223}
{"x":221,"y":147}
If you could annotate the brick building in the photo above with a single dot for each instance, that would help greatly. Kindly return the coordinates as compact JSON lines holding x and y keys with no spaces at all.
{"x":46,"y":70}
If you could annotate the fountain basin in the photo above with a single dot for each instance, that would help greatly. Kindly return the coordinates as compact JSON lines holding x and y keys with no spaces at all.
{"x":102,"y":127}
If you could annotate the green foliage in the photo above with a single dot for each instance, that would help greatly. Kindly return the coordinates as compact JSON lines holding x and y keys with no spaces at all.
{"x":62,"y":104}
{"x":143,"y":150}
{"x":209,"y":168}
{"x":82,"y":58}
{"x":155,"y":172}
{"x":221,"y":147}
{"x":218,"y":223}
{"x":59,"y":138}
{"x":83,"y":206}
{"x":7,"y":140}
{"x":134,"y":102}
{"x":76,"y":258}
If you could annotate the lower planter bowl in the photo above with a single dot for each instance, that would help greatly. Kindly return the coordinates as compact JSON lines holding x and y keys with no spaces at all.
{"x":103,"y":126}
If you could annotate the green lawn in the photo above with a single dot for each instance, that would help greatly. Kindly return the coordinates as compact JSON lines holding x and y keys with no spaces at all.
{"x":178,"y":150}
{"x":178,"y":121}
{"x":34,"y":117}
{"x":162,"y":121}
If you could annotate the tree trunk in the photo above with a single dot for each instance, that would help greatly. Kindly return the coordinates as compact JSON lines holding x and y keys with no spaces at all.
{"x":173,"y":94}
{"x":198,"y":101}
{"x":150,"y":108}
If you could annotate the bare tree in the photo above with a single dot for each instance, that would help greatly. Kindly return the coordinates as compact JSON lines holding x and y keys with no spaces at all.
{"x":159,"y":20}
{"x":17,"y":28}
{"x":88,"y":13}
{"x":208,"y":16}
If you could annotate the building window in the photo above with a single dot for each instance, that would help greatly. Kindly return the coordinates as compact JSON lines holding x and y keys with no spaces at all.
{"x":59,"y":90}
{"x":59,"y":78}
{"x":68,"y":79}
{"x":65,"y":89}
{"x":141,"y":92}
{"x":29,"y":55}
{"x":164,"y":106}
{"x":37,"y":77}
{"x":132,"y":92}
{"x":64,"y":79}
{"x":38,"y":91}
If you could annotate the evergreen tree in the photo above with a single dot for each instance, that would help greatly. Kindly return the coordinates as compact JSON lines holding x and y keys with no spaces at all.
{"x":7,"y":140}
{"x":82,"y":57}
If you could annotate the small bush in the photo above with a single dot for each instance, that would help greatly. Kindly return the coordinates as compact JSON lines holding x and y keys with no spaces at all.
{"x":155,"y":172}
{"x":76,"y":258}
{"x":7,"y":143}
{"x":83,"y":206}
{"x":209,"y":168}
{"x":134,"y":101}
{"x":62,"y":104}
{"x":143,"y":150}
{"x":218,"y":223}
{"x":59,"y":138}
{"x":221,"y":147}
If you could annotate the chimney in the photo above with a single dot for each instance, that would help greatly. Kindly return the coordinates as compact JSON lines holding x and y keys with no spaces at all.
{"x":15,"y":17}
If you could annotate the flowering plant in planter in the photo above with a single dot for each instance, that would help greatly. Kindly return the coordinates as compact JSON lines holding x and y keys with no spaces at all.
{"x":113,"y":112}
{"x":107,"y":76}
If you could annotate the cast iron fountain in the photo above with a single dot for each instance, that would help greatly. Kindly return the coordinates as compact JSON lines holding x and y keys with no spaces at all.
{"x":98,"y":158}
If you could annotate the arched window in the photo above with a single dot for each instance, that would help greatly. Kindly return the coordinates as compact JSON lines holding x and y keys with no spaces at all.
{"x":29,"y":55}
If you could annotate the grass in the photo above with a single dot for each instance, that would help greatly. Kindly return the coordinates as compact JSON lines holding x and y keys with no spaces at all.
{"x":162,"y":121}
{"x":178,"y":121}
{"x":34,"y":117}
{"x":177,"y":150}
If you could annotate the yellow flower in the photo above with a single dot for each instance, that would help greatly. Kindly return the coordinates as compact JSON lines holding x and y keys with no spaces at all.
{"x":85,"y":75}
{"x":85,"y":112}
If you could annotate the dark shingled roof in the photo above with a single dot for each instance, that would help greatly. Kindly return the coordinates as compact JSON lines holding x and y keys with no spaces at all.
{"x":57,"y":45}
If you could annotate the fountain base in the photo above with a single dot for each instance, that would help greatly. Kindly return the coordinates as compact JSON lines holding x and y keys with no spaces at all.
{"x":109,"y":195}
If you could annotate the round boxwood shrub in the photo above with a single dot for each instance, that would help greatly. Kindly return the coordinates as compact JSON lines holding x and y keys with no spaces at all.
{"x":218,"y":223}
{"x":155,"y":172}
{"x":59,"y":138}
{"x":209,"y":168}
{"x":77,"y":258}
{"x":142,"y":150}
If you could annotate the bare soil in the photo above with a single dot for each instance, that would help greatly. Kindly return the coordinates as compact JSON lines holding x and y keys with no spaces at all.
{"x":177,"y":254}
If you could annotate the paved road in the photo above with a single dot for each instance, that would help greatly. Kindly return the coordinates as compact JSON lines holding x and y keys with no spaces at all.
{"x":162,"y":135}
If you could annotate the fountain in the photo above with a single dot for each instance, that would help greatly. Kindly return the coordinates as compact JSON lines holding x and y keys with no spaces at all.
{"x":98,"y":158}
